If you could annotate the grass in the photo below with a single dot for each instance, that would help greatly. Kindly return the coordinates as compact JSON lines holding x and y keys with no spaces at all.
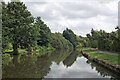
{"x":6,"y":59}
{"x":38,"y":50}
{"x":111,"y":58}
{"x":42,"y":50}
{"x":20,"y":51}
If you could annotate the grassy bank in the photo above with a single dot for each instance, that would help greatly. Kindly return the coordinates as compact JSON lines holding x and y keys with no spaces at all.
{"x":42,"y":50}
{"x":39,"y":50}
{"x":7,"y":56}
{"x":111,"y":58}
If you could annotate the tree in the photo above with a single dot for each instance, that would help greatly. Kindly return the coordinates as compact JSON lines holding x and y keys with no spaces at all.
{"x":17,"y":17}
{"x":118,"y":38}
{"x":44,"y":32}
{"x":104,"y":40}
{"x":6,"y":36}
{"x":59,"y":42}
{"x":82,"y":40}
{"x":29,"y":37}
{"x":69,"y":35}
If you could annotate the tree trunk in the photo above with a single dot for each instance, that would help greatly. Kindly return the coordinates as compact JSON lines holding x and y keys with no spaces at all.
{"x":15,"y":50}
{"x":30,"y":50}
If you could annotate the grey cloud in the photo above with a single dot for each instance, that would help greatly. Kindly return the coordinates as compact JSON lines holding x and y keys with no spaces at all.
{"x":56,"y":27}
{"x":85,"y":9}
{"x":47,"y":14}
{"x":73,"y":10}
{"x":76,"y":11}
{"x":35,"y":3}
{"x":83,"y":28}
{"x":80,"y":11}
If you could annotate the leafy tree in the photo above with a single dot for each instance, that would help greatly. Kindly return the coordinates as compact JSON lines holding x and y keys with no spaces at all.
{"x":29,"y":37}
{"x":17,"y":16}
{"x":82,"y":40}
{"x":88,"y":36}
{"x":6,"y":36}
{"x":118,"y":38}
{"x":105,"y":41}
{"x":44,"y":32}
{"x":69,"y":35}
{"x":59,"y":42}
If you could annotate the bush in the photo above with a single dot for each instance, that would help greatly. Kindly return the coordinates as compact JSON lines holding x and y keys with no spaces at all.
{"x":42,"y":50}
{"x":6,"y":59}
{"x":59,"y":42}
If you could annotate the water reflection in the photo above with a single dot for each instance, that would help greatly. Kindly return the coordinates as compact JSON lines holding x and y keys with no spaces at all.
{"x":59,"y":64}
{"x":28,"y":67}
{"x":71,"y":58}
{"x":32,"y":66}
{"x":103,"y":71}
{"x":79,"y":69}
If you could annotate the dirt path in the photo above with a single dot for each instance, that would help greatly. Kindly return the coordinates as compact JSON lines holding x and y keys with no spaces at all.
{"x":105,"y":52}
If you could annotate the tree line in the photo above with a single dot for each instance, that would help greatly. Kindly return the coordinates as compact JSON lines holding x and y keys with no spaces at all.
{"x":21,"y":30}
{"x":105,"y":41}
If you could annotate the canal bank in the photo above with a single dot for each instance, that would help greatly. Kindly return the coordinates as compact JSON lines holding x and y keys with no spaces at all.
{"x":104,"y":62}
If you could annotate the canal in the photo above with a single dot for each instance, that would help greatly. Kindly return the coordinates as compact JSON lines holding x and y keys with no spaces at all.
{"x":58,"y":64}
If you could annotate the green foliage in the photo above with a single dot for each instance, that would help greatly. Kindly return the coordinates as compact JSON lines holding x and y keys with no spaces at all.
{"x":42,"y":50}
{"x":22,"y":32}
{"x":83,"y":41}
{"x":69,"y":35}
{"x":79,"y":47}
{"x":44,"y":32}
{"x":7,"y":47}
{"x":112,"y":58}
{"x":29,"y":36}
{"x":6,"y":59}
{"x":20,"y":51}
{"x":5,"y":30}
{"x":59,"y":42}
{"x":15,"y":17}
{"x":105,"y":41}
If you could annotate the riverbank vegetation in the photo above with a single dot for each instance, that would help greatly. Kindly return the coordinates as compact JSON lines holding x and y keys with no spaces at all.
{"x":111,"y":58}
{"x":21,"y":30}
{"x":59,"y":42}
{"x":105,"y":41}
{"x":24,"y":34}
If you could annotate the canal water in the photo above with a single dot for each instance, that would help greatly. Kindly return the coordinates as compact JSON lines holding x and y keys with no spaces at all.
{"x":58,"y":64}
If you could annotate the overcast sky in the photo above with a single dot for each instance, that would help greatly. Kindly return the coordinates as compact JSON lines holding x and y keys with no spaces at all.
{"x":78,"y":15}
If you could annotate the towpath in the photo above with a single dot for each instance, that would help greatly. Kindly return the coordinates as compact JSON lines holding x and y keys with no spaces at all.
{"x":105,"y":52}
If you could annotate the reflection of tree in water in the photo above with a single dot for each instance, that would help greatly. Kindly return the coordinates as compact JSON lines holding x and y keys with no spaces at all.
{"x":38,"y":67}
{"x":103,"y":71}
{"x":27,"y":67}
{"x":32,"y":66}
{"x":58,"y":56}
{"x":71,"y":58}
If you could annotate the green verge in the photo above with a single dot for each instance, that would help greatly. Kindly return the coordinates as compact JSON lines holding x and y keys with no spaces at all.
{"x":38,"y":50}
{"x":111,"y":58}
{"x":42,"y":50}
{"x":10,"y":51}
